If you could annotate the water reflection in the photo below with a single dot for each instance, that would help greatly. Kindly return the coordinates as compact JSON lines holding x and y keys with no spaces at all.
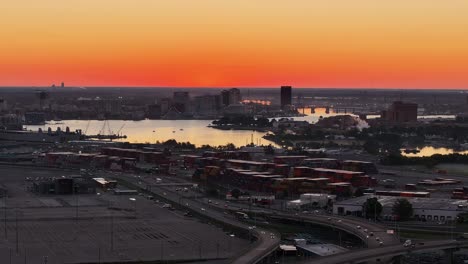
{"x":314,"y":114}
{"x":194,"y":131}
{"x":429,"y":151}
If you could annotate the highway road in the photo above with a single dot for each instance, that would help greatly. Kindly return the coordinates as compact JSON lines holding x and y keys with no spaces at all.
{"x":386,"y":252}
{"x":369,"y":232}
{"x":348,"y":224}
{"x":267,"y":241}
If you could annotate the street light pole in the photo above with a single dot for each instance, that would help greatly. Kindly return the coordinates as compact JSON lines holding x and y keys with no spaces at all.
{"x":339,"y":234}
{"x":112,"y":231}
{"x":162,"y":250}
{"x":133,"y":200}
{"x":375,"y":211}
{"x":76,"y":201}
{"x":453,"y":227}
{"x":16,"y":230}
{"x":5,"y":216}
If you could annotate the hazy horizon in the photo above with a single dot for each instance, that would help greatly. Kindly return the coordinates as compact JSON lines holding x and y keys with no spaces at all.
{"x":211,"y":43}
{"x":225,"y":87}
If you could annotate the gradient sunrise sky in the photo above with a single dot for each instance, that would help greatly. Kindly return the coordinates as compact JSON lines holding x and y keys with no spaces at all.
{"x":235,"y":43}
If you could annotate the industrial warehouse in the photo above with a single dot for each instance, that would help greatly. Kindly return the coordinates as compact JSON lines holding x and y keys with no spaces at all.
{"x":425,"y":209}
{"x":282,"y":179}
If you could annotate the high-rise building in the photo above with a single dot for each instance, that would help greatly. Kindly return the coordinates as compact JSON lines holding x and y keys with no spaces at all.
{"x":234,"y":96}
{"x":34,"y":118}
{"x":165,"y":104}
{"x":181,"y":97}
{"x":111,"y":106}
{"x":153,"y":111}
{"x":401,"y":112}
{"x":3,"y":104}
{"x":231,"y":96}
{"x":286,"y":94}
{"x":225,"y":97}
{"x":181,"y":101}
{"x":207,"y":105}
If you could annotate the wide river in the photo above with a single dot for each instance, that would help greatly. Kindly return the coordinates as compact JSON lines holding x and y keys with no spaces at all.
{"x":194,"y":131}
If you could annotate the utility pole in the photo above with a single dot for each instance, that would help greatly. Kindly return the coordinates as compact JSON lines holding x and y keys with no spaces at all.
{"x":112,"y":231}
{"x":339,"y":234}
{"x":76,"y":201}
{"x":453,"y":224}
{"x":16,"y":229}
{"x":375,"y":210}
{"x":162,"y":250}
{"x":5,"y":217}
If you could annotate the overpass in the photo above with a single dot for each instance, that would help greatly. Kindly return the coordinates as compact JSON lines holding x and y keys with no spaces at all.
{"x":351,"y":225}
{"x":266,"y":242}
{"x":387,"y":252}
{"x":341,"y":109}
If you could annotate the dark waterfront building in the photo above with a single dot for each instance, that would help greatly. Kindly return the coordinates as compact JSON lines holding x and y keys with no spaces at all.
{"x":153,"y":111}
{"x":225,"y":97}
{"x":400,"y":112}
{"x":286,"y":94}
{"x":34,"y":118}
{"x":231,"y":96}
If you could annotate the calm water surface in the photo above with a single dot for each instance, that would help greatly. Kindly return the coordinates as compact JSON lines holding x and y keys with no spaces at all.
{"x":429,"y":151}
{"x":194,"y":131}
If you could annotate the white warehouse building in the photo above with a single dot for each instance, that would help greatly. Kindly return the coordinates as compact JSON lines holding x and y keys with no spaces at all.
{"x":429,"y":209}
{"x":311,"y":200}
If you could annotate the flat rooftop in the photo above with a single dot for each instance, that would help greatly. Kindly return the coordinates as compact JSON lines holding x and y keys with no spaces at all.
{"x":337,"y":171}
{"x":246,"y":162}
{"x":320,"y":159}
{"x":417,"y":202}
{"x":291,"y":157}
{"x":357,"y":161}
{"x":322,"y":249}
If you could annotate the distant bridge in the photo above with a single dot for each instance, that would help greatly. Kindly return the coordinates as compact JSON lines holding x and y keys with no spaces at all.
{"x":341,"y":109}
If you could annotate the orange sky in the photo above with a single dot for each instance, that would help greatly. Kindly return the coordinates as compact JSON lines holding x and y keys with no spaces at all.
{"x":241,"y":43}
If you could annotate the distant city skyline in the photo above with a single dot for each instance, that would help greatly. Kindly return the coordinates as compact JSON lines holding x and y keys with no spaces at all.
{"x":246,"y":43}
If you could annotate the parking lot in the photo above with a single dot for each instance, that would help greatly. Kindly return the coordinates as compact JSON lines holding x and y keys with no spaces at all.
{"x":100,"y":227}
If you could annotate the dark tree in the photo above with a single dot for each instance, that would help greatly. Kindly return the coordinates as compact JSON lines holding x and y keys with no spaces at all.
{"x":403,"y":209}
{"x":236,"y":193}
{"x":359,"y":192}
{"x":269,"y":150}
{"x":371,"y":146}
{"x":372,"y":208}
